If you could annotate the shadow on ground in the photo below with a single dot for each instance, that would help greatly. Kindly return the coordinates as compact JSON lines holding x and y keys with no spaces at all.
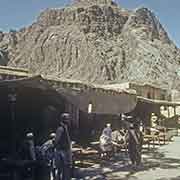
{"x":119,"y":168}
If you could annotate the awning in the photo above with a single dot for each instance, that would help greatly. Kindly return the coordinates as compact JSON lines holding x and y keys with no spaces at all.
{"x":158,"y":102}
{"x":102,"y":100}
{"x":33,"y":82}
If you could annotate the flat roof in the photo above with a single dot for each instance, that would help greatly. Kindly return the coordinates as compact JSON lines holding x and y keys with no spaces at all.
{"x":104,"y":101}
{"x":7,"y":70}
{"x":158,"y":102}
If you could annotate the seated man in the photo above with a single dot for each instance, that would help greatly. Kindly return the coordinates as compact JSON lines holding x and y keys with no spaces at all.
{"x":119,"y":139}
{"x":48,"y":154}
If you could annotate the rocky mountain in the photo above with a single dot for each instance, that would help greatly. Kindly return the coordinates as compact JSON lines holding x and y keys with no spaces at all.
{"x":95,"y":41}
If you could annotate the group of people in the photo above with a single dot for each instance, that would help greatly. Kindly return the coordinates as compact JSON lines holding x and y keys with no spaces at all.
{"x":55,"y":153}
{"x":133,"y":139}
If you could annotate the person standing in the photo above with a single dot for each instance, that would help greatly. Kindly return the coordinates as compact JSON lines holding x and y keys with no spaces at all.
{"x":28,"y":155}
{"x":29,"y":147}
{"x":107,"y":130}
{"x":63,"y":148}
{"x":106,"y":142}
{"x":135,"y":139}
{"x":135,"y":144}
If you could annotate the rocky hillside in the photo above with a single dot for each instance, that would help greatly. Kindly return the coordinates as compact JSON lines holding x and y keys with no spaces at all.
{"x":95,"y":41}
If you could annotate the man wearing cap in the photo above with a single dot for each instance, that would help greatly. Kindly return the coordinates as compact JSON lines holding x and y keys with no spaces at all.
{"x":48,"y":152}
{"x":135,"y":139}
{"x":135,"y":144}
{"x":63,"y":148}
{"x":27,"y":153}
{"x":28,"y":149}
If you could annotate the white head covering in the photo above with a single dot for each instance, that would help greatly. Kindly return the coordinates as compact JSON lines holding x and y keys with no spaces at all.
{"x":52,"y":135}
{"x":108,"y":125}
{"x":29,"y":135}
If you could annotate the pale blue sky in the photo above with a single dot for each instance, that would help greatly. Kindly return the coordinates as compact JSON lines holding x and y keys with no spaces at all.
{"x":15,"y":14}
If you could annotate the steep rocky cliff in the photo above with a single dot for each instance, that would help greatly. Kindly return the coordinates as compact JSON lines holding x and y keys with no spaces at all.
{"x":96,"y":41}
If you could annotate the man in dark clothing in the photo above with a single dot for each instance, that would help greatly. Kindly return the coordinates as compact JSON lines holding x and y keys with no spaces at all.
{"x":28,"y":156}
{"x":28,"y":148}
{"x":135,"y":145}
{"x":63,"y":148}
{"x":135,"y":140}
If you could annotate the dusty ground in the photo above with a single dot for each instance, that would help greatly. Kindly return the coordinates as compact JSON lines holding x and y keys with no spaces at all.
{"x":162,"y":163}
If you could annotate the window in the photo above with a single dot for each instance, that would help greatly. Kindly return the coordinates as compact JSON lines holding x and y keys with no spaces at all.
{"x":163,"y":97}
{"x":90,"y":107}
{"x":149,"y":95}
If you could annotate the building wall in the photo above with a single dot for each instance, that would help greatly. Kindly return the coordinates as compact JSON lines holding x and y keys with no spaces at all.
{"x":150,"y":92}
{"x":175,"y":95}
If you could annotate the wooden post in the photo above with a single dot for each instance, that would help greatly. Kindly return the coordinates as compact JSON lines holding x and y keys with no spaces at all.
{"x":77,"y":117}
{"x":12,"y":103}
{"x":174,"y":110}
{"x":168,"y":112}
